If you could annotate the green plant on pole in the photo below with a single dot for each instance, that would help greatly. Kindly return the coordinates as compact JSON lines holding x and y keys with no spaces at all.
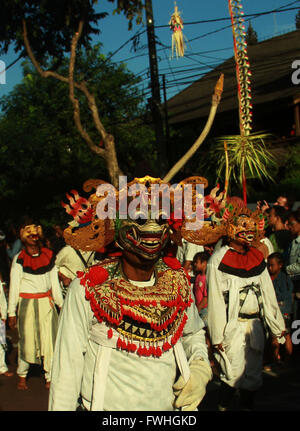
{"x":247,"y":153}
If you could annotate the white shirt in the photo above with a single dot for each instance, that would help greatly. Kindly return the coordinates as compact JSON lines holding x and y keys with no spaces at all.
{"x":68,"y":262}
{"x":3,"y":303}
{"x":293,"y":269}
{"x":23,"y":282}
{"x":187,"y":251}
{"x":269,"y":245}
{"x":127,"y":381}
{"x":220,"y":282}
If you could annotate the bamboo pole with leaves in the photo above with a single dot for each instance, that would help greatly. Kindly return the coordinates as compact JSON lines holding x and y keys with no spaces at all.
{"x":243,"y":157}
{"x":243,"y":80}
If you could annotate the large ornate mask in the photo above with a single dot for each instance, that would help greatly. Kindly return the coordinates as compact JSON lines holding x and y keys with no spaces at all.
{"x":146,"y":238}
{"x":86,"y":231}
{"x":142,"y":232}
{"x":214,"y":225}
{"x":245,"y":227}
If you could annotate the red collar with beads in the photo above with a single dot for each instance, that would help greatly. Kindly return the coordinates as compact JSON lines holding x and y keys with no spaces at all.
{"x":149,"y":320}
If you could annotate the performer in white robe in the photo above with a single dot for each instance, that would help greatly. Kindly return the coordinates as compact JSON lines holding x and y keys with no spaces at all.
{"x":242,"y":312}
{"x":129,"y":337}
{"x":34,"y":289}
{"x":69,"y":261}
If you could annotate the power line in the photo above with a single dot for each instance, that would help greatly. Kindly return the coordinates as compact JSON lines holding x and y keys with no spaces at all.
{"x":257,"y":15}
{"x":205,"y":67}
{"x":206,"y":21}
{"x":12,"y":63}
{"x":283,"y":8}
{"x":137,"y":34}
{"x":257,"y":69}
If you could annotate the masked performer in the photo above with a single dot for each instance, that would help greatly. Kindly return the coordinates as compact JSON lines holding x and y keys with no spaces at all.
{"x":34,"y":289}
{"x":130,"y":337}
{"x":242,"y":308}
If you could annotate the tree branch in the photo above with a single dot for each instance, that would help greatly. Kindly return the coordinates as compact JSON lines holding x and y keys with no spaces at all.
{"x":109,"y":153}
{"x":73,"y":99}
{"x":214,"y":105}
{"x":43,"y":73}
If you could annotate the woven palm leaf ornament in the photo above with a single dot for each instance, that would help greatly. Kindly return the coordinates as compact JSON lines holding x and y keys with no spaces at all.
{"x":176,"y":25}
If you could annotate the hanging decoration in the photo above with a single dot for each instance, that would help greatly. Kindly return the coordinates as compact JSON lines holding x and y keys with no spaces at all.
{"x":243,"y":72}
{"x":244,"y":155}
{"x":176,"y":25}
{"x":243,"y":77}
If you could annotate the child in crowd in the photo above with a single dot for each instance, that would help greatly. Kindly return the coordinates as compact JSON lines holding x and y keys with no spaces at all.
{"x":284,"y":293}
{"x":200,"y":292}
{"x":3,"y":315}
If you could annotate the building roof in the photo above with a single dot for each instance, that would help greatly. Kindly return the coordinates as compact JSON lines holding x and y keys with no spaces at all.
{"x":271,"y":67}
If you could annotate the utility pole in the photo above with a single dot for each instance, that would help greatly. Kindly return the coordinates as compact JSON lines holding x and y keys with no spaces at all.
{"x":155,"y":100}
{"x":166,"y":112}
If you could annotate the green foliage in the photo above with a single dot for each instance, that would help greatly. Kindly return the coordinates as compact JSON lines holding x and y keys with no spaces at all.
{"x":286,"y":177}
{"x":41,"y":152}
{"x":42,"y":155}
{"x":52,"y":23}
{"x":250,"y":153}
{"x":251,"y":35}
{"x":131,"y":9}
{"x":291,"y":178}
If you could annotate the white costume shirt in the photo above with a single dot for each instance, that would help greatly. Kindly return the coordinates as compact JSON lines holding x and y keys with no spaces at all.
{"x":3,"y":303}
{"x":242,"y":339}
{"x":187,"y":251}
{"x":220,"y":282}
{"x":23,"y":282}
{"x":293,"y":269}
{"x":269,"y":245}
{"x":68,"y":262}
{"x":86,"y":362}
{"x":3,"y":315}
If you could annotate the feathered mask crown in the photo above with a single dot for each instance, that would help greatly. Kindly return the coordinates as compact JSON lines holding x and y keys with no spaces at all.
{"x":89,"y":230}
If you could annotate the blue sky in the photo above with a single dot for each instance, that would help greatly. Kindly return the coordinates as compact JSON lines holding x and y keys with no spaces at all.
{"x":207,"y":43}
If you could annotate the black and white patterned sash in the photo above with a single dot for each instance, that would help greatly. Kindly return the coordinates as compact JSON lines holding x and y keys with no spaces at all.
{"x":257,"y":291}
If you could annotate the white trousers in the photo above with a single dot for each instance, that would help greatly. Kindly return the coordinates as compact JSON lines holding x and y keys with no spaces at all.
{"x":3,"y":366}
{"x":245,"y":352}
{"x":23,"y":368}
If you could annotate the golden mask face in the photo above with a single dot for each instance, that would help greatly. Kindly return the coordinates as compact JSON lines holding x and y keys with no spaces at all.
{"x":244,"y":229}
{"x":144,"y":237}
{"x":31,"y":233}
